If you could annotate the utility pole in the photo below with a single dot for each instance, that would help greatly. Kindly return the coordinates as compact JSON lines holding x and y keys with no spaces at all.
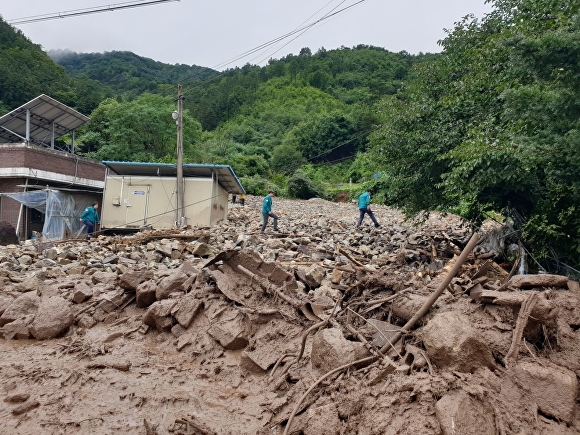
{"x":180,"y":190}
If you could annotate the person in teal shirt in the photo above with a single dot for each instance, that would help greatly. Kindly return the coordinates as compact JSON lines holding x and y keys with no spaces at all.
{"x":267,"y":211}
{"x":90,"y":217}
{"x":363,"y":206}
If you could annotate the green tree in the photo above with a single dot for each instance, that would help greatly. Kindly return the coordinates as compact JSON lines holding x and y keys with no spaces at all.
{"x":492,"y":124}
{"x":138,"y":130}
{"x":286,"y":159}
{"x":328,"y":137}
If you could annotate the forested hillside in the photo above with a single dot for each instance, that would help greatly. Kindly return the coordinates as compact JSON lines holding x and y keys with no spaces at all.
{"x":271,"y":123}
{"x":26,"y":72}
{"x":127,"y":73}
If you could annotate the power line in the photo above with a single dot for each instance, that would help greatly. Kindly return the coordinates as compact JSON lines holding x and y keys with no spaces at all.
{"x":87,"y":11}
{"x":299,"y":30}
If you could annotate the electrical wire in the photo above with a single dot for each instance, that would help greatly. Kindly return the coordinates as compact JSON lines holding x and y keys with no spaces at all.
{"x":300,"y":29}
{"x":327,"y":15}
{"x":86,"y":11}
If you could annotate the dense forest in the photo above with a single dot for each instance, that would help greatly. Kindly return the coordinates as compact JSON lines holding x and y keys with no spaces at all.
{"x":489,"y":127}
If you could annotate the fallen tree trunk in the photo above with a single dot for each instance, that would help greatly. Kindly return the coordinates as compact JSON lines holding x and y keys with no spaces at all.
{"x":544,"y":310}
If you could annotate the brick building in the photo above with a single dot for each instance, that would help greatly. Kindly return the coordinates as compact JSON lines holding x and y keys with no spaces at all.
{"x":29,"y":160}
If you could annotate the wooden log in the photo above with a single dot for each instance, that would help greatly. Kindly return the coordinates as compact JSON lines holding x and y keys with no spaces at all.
{"x":544,"y":310}
{"x":531,"y":281}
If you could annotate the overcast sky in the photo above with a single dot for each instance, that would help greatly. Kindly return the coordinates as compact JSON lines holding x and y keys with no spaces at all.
{"x":216,"y":33}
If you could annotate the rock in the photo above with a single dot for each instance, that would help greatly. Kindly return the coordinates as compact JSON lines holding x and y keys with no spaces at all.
{"x":21,"y":306}
{"x":130,"y":280}
{"x":45,"y":262}
{"x":407,"y":305}
{"x":5,"y":302}
{"x":452,"y":342}
{"x":111,"y":259}
{"x":322,"y":420}
{"x":25,"y":407}
{"x":312,"y":276}
{"x":336,"y":276}
{"x":249,"y":365}
{"x":108,"y":278}
{"x":30,"y":284}
{"x":54,"y":316}
{"x":171,"y":284}
{"x":16,"y":397}
{"x":177,"y":330}
{"x":19,"y":329}
{"x":553,"y":388}
{"x":113,"y":300}
{"x":145,"y":293}
{"x":25,"y":260}
{"x":202,"y":250}
{"x":158,"y":315}
{"x":86,"y":321}
{"x":231,"y":334}
{"x":183,"y":341}
{"x":187,"y":309}
{"x":331,"y":350}
{"x":51,"y":253}
{"x":459,"y":413}
{"x":82,"y":292}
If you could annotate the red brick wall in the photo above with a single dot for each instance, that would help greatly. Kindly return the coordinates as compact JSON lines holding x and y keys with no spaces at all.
{"x":19,"y":155}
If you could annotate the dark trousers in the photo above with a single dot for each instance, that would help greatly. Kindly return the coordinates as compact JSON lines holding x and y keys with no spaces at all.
{"x":90,"y":228}
{"x":362,"y":215}
{"x":273,"y":216}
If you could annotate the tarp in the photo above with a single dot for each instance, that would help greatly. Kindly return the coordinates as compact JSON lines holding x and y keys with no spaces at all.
{"x":62,"y":211}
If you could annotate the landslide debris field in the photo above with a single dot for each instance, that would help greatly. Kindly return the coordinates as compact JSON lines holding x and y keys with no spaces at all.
{"x":320,"y":329}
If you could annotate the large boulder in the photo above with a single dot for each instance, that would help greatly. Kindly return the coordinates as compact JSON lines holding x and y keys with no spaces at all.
{"x":54,"y":316}
{"x":451,"y":341}
{"x":330,"y":349}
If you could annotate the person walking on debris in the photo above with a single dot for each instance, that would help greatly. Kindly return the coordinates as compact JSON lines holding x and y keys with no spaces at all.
{"x":234,"y":198}
{"x":242,"y":199}
{"x":90,"y":217}
{"x":363,"y":205}
{"x":267,"y":211}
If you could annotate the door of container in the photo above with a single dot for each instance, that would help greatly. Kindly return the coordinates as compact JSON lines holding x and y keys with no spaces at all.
{"x":136,"y":204}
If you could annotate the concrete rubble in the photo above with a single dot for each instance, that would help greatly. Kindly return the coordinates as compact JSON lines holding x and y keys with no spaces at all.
{"x":227,"y":331}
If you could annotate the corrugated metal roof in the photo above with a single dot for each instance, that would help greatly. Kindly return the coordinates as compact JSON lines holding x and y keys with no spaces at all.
{"x":224,"y":173}
{"x":44,"y":112}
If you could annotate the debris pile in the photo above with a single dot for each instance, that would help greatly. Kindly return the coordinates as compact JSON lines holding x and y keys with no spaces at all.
{"x":411,"y":328}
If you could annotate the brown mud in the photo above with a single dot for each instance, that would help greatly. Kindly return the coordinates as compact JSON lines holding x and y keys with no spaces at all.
{"x":226,"y":331}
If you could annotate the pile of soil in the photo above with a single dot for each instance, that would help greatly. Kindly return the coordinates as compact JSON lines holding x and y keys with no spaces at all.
{"x":411,"y":328}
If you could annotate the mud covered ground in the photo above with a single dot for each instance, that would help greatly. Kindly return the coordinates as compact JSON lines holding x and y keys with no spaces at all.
{"x":226,"y":331}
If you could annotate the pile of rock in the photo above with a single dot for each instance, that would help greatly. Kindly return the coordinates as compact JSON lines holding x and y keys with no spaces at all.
{"x":324,"y":296}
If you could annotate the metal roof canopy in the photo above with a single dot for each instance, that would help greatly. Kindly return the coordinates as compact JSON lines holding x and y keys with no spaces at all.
{"x":225,"y":174}
{"x":48,"y":120}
